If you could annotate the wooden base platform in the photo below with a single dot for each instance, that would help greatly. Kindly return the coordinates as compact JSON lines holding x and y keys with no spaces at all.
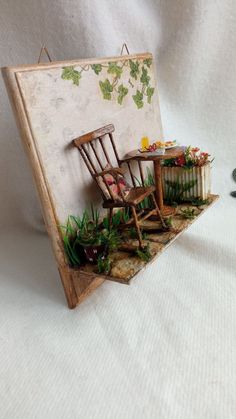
{"x":125,"y":264}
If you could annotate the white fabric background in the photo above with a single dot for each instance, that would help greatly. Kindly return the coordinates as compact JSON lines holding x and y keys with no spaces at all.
{"x":165,"y":346}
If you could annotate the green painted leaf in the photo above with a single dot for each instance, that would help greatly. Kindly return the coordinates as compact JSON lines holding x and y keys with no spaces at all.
{"x":97,"y":68}
{"x":106,"y":89}
{"x":138,"y":99}
{"x":150,"y":92}
{"x":145,"y":78}
{"x":134,"y":69}
{"x":114,"y":69}
{"x":69,"y":73}
{"x":76,"y":77}
{"x":122,"y":90}
{"x":148,"y":62}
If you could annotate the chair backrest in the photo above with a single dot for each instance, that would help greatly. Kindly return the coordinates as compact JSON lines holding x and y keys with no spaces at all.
{"x":93,"y":156}
{"x":97,"y":149}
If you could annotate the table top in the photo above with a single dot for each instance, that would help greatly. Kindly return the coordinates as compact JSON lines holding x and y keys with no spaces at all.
{"x":172,"y":153}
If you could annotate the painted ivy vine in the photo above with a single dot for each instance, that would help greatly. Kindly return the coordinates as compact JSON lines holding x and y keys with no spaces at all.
{"x":111,"y":87}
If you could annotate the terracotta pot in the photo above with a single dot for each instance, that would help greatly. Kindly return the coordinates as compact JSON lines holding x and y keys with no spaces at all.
{"x":202,"y":175}
{"x":92,"y":252}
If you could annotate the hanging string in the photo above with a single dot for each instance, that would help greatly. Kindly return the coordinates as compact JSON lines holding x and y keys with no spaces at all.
{"x":44,"y":50}
{"x":124,"y":46}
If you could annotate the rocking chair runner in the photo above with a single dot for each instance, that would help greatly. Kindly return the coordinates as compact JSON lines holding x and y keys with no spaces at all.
{"x":88,"y":146}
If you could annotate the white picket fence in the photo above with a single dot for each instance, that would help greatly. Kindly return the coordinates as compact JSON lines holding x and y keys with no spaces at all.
{"x":202,"y":175}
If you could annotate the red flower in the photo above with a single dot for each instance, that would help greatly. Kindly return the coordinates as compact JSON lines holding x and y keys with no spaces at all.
{"x":195,"y":149}
{"x":180,"y":161}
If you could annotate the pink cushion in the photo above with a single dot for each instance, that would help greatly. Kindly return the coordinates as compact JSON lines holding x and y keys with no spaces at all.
{"x":113,"y":183}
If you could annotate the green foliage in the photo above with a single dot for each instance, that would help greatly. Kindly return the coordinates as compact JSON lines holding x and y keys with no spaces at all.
{"x":169,"y":162}
{"x":148,"y":181}
{"x":88,"y":232}
{"x":176,"y":189}
{"x":147,"y":62}
{"x":188,"y":160}
{"x":188,"y":213}
{"x":119,"y":217}
{"x":95,"y":214}
{"x":71,"y":252}
{"x":115,"y":69}
{"x":145,"y":78}
{"x":80,"y":231}
{"x":122,"y":90}
{"x":125,"y":215}
{"x":138,"y":99}
{"x":138,"y":72}
{"x":150,"y":92}
{"x":134,"y":235}
{"x":69,"y":73}
{"x":169,"y":222}
{"x":97,"y":68}
{"x":110,"y":238}
{"x":69,"y":237}
{"x":198,"y":202}
{"x":105,"y":223}
{"x":134,"y":69}
{"x":104,"y":264}
{"x":144,"y":254}
{"x":106,"y":88}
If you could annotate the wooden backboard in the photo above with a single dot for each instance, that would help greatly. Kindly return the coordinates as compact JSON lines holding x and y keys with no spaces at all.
{"x":56,"y":102}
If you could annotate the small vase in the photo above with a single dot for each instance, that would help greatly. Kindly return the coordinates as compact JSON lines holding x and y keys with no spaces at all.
{"x":92,"y":252}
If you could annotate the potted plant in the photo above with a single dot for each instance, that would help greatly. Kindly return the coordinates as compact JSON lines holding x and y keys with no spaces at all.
{"x":188,"y":176}
{"x":88,"y":239}
{"x":97,"y":239}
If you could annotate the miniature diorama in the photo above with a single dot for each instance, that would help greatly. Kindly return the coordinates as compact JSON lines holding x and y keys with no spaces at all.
{"x":114,"y":193}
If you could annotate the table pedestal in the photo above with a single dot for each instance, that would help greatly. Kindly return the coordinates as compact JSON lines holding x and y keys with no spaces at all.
{"x":166,"y":211}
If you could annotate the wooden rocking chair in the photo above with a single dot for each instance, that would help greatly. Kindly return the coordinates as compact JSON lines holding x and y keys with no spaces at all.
{"x":99,"y":164}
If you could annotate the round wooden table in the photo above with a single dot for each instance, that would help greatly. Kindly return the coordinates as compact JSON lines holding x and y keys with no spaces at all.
{"x":157,"y":158}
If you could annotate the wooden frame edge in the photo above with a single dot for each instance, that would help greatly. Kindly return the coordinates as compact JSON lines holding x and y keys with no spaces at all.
{"x":74,"y":295}
{"x":67,"y":63}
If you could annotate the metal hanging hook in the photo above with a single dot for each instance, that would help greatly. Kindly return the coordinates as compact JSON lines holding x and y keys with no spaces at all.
{"x":44,"y":50}
{"x":124,"y":46}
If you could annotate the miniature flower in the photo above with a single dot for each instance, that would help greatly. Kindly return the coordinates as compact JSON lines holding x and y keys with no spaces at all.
{"x":191,"y":157}
{"x":180,"y":161}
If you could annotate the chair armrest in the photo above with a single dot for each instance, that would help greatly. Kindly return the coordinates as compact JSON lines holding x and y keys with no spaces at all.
{"x":111,"y":170}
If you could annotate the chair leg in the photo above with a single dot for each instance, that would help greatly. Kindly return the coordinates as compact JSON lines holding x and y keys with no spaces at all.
{"x":158,"y":211}
{"x":110,"y":217}
{"x":137,"y":227}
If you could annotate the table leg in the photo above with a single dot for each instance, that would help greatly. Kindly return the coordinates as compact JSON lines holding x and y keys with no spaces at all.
{"x":166,"y":211}
{"x":159,"y":192}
